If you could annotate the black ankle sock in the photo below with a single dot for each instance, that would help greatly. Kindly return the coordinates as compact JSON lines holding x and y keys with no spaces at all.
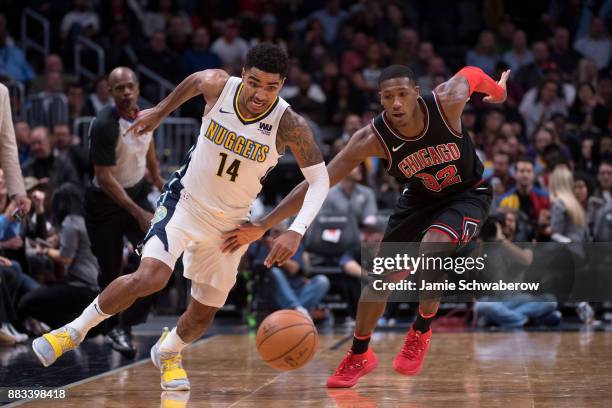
{"x":360,"y":346}
{"x":422,"y":323}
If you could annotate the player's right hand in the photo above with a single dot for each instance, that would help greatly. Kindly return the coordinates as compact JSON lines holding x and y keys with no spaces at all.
{"x":148,"y":120}
{"x":243,"y":235}
{"x":283,"y":248}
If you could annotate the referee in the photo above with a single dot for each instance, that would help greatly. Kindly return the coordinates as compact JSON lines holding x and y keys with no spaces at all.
{"x":116,"y":204}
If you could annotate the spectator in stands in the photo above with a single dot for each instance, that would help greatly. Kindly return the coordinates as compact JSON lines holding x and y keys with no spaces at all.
{"x":542,"y":138}
{"x":230,"y":47}
{"x":199,"y":57}
{"x":425,"y":54}
{"x":351,"y":197}
{"x":269,"y":32}
{"x":76,"y":100}
{"x":99,"y":98}
{"x":34,"y":228}
{"x":511,"y":259}
{"x":525,"y":196}
{"x":568,"y":218}
{"x":604,"y":179}
{"x":596,"y":45}
{"x":562,"y":54}
{"x":59,"y":303}
{"x":162,"y":11}
{"x":372,"y":232}
{"x":291,"y":289}
{"x":484,"y":55}
{"x":47,"y":81}
{"x":344,"y":100}
{"x":309,"y":99}
{"x":547,"y":102}
{"x":10,"y":227}
{"x":80,"y":20}
{"x":583,"y":189}
{"x":435,"y":68}
{"x":406,"y":52}
{"x":13,"y":284}
{"x":492,"y":123}
{"x":44,"y":165}
{"x":501,"y":180}
{"x":588,"y":111}
{"x":157,"y":58}
{"x":354,"y":58}
{"x":331,"y":18}
{"x":22,"y":135}
{"x":530,"y":75}
{"x":176,"y":35}
{"x":66,"y":148}
{"x":519,"y":55}
{"x":366,"y":79}
{"x":13,"y":63}
{"x":586,"y":162}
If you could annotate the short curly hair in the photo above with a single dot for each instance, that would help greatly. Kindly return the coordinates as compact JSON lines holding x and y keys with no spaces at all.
{"x":268,"y":58}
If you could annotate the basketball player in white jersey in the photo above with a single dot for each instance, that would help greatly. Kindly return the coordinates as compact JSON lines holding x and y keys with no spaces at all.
{"x":245,"y":128}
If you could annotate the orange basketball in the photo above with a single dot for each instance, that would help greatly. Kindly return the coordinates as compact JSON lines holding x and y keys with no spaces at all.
{"x":286,"y":340}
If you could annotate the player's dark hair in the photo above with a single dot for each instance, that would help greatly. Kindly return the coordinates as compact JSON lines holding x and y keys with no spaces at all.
{"x":268,"y":58}
{"x":396,"y":71}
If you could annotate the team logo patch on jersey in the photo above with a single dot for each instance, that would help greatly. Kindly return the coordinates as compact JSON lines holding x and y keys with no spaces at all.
{"x":265,"y":128}
{"x":160,"y":214}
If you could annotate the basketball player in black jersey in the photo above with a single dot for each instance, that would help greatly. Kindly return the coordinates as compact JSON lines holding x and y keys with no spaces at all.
{"x":444,"y":200}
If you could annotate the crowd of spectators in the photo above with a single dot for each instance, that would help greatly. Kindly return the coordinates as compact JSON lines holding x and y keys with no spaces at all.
{"x":557,"y":115}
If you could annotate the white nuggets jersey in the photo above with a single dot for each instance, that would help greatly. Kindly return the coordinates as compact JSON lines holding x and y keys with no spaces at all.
{"x":224,"y":169}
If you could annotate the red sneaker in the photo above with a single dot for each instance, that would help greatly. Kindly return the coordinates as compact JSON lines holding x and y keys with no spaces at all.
{"x":351,"y":368}
{"x":409,"y":360}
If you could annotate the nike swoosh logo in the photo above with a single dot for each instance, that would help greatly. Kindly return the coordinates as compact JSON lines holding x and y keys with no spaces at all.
{"x":222,"y":111}
{"x":396,"y":148}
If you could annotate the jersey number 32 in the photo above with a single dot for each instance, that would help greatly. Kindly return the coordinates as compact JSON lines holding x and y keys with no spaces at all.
{"x":443,"y":178}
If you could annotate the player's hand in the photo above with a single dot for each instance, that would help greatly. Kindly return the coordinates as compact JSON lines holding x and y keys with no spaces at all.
{"x":23,"y":203}
{"x":243,"y":235}
{"x":144,"y":220}
{"x":5,"y":261}
{"x":502,"y":83}
{"x":147,"y":121}
{"x":284,"y":247}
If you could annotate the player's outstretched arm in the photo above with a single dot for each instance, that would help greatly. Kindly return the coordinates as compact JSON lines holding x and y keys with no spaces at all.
{"x":362,"y":145}
{"x":208,"y":83}
{"x":454,"y":93}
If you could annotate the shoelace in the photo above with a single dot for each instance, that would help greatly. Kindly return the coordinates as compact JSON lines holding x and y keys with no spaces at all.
{"x":413,"y":346}
{"x":347,"y":364}
{"x":171,"y":363}
{"x":65,"y":340}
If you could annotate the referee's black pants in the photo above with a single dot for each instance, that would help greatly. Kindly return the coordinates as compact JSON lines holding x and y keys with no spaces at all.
{"x":107,"y":225}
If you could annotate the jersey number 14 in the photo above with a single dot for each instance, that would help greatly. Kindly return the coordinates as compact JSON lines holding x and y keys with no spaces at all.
{"x":232,"y":169}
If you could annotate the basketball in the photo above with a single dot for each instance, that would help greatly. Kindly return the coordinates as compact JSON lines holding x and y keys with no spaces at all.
{"x":286,"y":340}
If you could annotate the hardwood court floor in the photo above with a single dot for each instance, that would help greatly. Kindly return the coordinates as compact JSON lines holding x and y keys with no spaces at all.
{"x":511,"y":369}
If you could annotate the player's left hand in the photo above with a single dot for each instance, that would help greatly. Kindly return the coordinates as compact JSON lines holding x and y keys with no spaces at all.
{"x":243,"y":235}
{"x":502,"y":82}
{"x":283,"y":248}
{"x":148,"y":120}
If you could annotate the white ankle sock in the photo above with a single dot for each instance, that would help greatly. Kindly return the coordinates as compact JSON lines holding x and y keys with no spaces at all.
{"x":91,"y":317}
{"x":172,"y":343}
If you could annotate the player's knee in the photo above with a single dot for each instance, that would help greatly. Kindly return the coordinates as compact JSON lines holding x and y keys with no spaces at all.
{"x":201,"y":314}
{"x":435,"y":242}
{"x":148,"y":280}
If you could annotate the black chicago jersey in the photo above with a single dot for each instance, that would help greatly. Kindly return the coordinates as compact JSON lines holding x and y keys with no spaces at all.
{"x":442,"y":178}
{"x":439,"y":161}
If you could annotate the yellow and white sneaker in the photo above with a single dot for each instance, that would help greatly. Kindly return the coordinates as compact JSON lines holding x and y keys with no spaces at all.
{"x":50,"y":346}
{"x":173,"y":375}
